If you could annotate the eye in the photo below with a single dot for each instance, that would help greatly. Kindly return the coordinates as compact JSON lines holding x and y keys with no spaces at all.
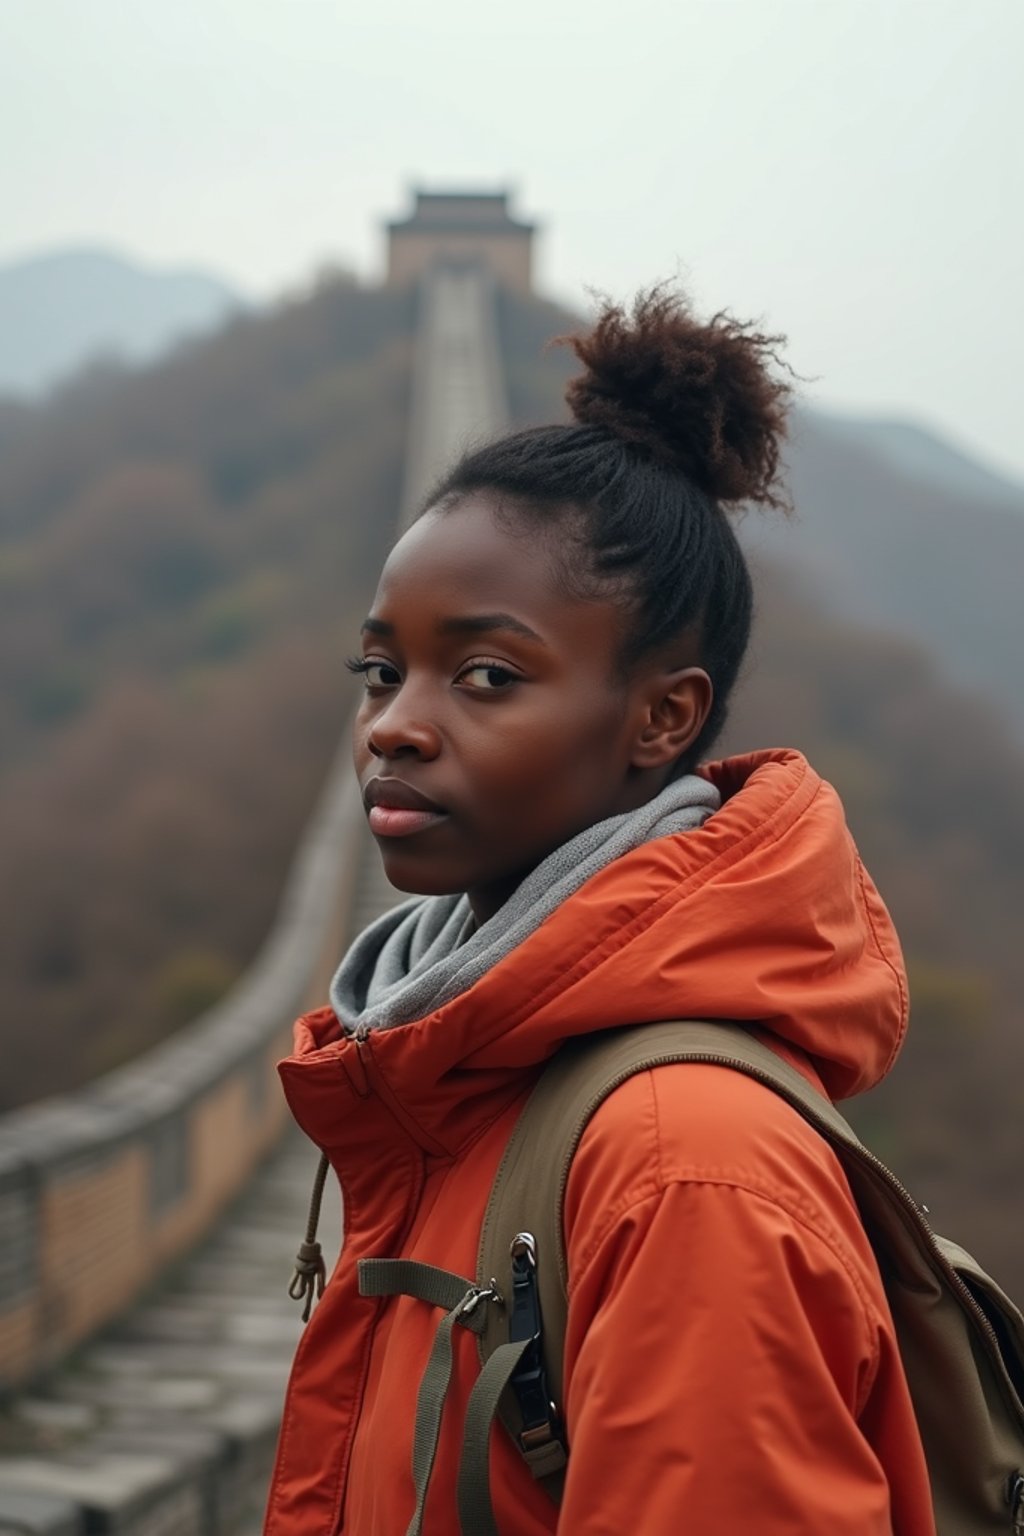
{"x":375,"y":673}
{"x":488,"y":676}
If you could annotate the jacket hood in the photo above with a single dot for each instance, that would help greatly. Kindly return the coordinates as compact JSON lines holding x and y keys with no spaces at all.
{"x":764,"y":914}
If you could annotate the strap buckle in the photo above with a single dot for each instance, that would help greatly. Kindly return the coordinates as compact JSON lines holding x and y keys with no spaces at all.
{"x":541,"y":1436}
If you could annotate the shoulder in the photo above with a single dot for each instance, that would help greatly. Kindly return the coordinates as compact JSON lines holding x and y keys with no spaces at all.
{"x":718,"y":1131}
{"x":719,"y":1278}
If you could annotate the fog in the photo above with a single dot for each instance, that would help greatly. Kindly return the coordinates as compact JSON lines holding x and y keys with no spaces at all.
{"x":848,"y":171}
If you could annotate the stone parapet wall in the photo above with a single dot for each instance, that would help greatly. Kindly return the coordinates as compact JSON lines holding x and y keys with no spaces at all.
{"x":101,"y":1189}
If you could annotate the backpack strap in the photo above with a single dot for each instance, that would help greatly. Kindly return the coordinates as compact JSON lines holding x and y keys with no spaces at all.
{"x":961,"y":1339}
{"x":463,"y":1303}
{"x":528,"y":1194}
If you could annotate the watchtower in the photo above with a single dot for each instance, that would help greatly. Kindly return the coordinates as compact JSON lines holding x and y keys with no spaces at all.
{"x":461,"y":229}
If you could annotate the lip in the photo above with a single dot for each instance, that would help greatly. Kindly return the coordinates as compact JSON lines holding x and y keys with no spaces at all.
{"x":397,"y":795}
{"x":395,"y":809}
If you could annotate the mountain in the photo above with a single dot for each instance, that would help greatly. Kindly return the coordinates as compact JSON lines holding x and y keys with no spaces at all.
{"x":931,"y":785}
{"x":62,"y":310}
{"x":919,"y":454}
{"x":894,"y":530}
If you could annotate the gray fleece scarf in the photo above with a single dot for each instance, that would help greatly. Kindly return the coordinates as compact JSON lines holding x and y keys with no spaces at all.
{"x":423,"y":953}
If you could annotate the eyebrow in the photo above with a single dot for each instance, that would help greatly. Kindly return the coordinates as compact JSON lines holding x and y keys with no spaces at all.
{"x":485,"y":623}
{"x":467,"y":624}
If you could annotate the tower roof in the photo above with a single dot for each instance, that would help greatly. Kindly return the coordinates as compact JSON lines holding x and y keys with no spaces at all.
{"x":462,"y":212}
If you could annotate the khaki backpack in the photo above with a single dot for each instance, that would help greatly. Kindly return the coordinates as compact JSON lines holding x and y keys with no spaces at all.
{"x":961,"y":1339}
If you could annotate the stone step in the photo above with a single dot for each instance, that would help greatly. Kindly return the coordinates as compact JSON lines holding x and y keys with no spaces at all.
{"x":165,"y":1493}
{"x":27,"y":1513}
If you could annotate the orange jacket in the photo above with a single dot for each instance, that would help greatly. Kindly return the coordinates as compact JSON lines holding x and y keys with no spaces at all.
{"x":730,"y":1359}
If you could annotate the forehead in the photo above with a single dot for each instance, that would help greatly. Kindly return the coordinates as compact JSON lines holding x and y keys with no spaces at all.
{"x":471,"y":559}
{"x":471,"y":549}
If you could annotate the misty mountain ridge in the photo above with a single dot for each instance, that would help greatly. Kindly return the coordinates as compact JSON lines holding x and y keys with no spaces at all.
{"x":62,"y":310}
{"x":896,"y":530}
{"x":923,"y":453}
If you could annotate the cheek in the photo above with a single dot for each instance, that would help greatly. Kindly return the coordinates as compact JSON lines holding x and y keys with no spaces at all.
{"x":572,"y":753}
{"x":592,"y":725}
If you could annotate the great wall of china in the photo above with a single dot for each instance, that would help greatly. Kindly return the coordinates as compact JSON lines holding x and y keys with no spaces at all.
{"x":148,"y":1223}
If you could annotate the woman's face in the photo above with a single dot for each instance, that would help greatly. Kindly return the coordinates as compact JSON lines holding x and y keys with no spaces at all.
{"x":494,"y":725}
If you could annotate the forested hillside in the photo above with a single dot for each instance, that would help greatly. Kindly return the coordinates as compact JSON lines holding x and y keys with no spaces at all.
{"x":182,"y":557}
{"x":932,"y":784}
{"x":942,"y":563}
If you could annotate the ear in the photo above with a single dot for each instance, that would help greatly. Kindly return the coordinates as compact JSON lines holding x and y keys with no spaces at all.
{"x":676,"y":705}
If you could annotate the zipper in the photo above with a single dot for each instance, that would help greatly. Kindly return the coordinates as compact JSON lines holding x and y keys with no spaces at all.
{"x":353,"y":1064}
{"x":377,"y":1084}
{"x":905,"y":1199}
{"x":356,"y":1064}
{"x":364,"y":1376}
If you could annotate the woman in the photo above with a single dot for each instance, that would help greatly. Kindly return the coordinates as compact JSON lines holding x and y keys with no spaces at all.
{"x":548,"y":659}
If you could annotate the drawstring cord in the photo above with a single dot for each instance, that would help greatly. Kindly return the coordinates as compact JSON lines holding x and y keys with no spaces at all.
{"x":310,"y":1271}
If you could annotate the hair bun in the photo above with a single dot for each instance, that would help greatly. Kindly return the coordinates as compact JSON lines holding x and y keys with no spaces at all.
{"x":697,"y":395}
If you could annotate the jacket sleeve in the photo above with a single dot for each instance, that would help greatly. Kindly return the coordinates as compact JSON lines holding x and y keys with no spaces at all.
{"x":719,"y":1354}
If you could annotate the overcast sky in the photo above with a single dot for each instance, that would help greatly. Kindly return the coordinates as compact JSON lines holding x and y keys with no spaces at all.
{"x":848,"y":170}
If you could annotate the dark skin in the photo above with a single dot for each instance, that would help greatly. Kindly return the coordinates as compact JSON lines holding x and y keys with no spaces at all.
{"x":501,"y":701}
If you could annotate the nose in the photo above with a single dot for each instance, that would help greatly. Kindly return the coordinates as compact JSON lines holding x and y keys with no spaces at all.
{"x":401,"y":729}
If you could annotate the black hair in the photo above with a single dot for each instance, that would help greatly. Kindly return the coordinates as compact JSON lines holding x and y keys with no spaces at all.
{"x":674,"y":419}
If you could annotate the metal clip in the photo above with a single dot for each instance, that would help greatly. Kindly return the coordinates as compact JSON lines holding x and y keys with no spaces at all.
{"x":1015,"y":1499}
{"x":524,"y":1246}
{"x":478,"y":1294}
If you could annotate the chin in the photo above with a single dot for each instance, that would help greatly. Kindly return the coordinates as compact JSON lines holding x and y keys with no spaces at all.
{"x":419,"y":879}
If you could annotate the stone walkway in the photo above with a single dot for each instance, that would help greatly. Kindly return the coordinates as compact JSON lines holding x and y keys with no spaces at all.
{"x":165,"y":1425}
